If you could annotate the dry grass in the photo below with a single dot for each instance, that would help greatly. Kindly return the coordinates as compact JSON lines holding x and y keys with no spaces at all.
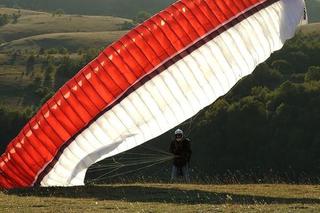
{"x":23,"y":12}
{"x":164,"y":198}
{"x":311,"y":28}
{"x":71,"y":41}
{"x":33,"y":23}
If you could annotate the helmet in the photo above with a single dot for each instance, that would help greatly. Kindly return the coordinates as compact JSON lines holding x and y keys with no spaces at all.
{"x":178,"y":134}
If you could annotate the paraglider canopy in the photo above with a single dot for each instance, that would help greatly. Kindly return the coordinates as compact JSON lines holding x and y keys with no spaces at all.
{"x":156,"y":76}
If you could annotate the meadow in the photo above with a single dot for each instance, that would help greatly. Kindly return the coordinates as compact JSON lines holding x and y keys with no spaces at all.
{"x":165,"y":198}
{"x":35,"y":30}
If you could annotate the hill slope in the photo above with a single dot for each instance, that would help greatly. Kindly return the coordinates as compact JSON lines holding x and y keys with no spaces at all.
{"x":311,"y":28}
{"x":72,"y":41}
{"x":34,"y":23}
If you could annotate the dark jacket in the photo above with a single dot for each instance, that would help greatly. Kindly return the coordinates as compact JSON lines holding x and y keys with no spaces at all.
{"x":182,"y":152}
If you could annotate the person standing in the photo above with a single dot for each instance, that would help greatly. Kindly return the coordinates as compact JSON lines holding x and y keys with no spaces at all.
{"x":181,"y":149}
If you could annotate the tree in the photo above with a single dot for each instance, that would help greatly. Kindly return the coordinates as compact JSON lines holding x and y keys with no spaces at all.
{"x":138,"y":19}
{"x":283,"y":66}
{"x":45,"y":62}
{"x":313,"y":74}
{"x":66,"y":69}
{"x":15,"y":18}
{"x":30,"y":64}
{"x":127,"y":25}
{"x":4,"y":19}
{"x":298,"y":60}
{"x":141,"y":17}
{"x":52,"y":51}
{"x":58,"y":12}
{"x":36,"y":83}
{"x":11,"y":121}
{"x":41,"y":51}
{"x":63,"y":51}
{"x":48,"y":81}
{"x":14,"y":58}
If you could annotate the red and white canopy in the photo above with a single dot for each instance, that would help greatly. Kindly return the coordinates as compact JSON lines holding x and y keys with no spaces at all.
{"x":155,"y":77}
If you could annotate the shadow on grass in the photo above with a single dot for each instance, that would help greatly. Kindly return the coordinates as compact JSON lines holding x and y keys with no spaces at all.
{"x":138,"y":193}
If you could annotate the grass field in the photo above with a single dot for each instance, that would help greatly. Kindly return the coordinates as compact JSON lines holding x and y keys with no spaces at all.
{"x":165,"y":198}
{"x":31,"y":24}
{"x":36,"y":30}
{"x":23,"y":12}
{"x":311,"y":28}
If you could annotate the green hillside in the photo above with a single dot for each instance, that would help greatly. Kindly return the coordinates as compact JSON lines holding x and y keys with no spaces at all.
{"x":311,"y":28}
{"x":23,"y":12}
{"x":34,"y":23}
{"x":72,"y":41}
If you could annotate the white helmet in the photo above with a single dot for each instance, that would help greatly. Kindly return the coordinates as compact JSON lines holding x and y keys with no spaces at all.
{"x":178,"y":132}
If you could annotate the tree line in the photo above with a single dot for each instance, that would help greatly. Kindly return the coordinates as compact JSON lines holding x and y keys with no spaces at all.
{"x":6,"y":19}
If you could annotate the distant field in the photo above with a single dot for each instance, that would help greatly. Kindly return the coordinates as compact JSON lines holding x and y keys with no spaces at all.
{"x":164,"y":198}
{"x":311,"y":28}
{"x":3,"y":58}
{"x":38,"y":23}
{"x":71,"y":41}
{"x":23,"y":12}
